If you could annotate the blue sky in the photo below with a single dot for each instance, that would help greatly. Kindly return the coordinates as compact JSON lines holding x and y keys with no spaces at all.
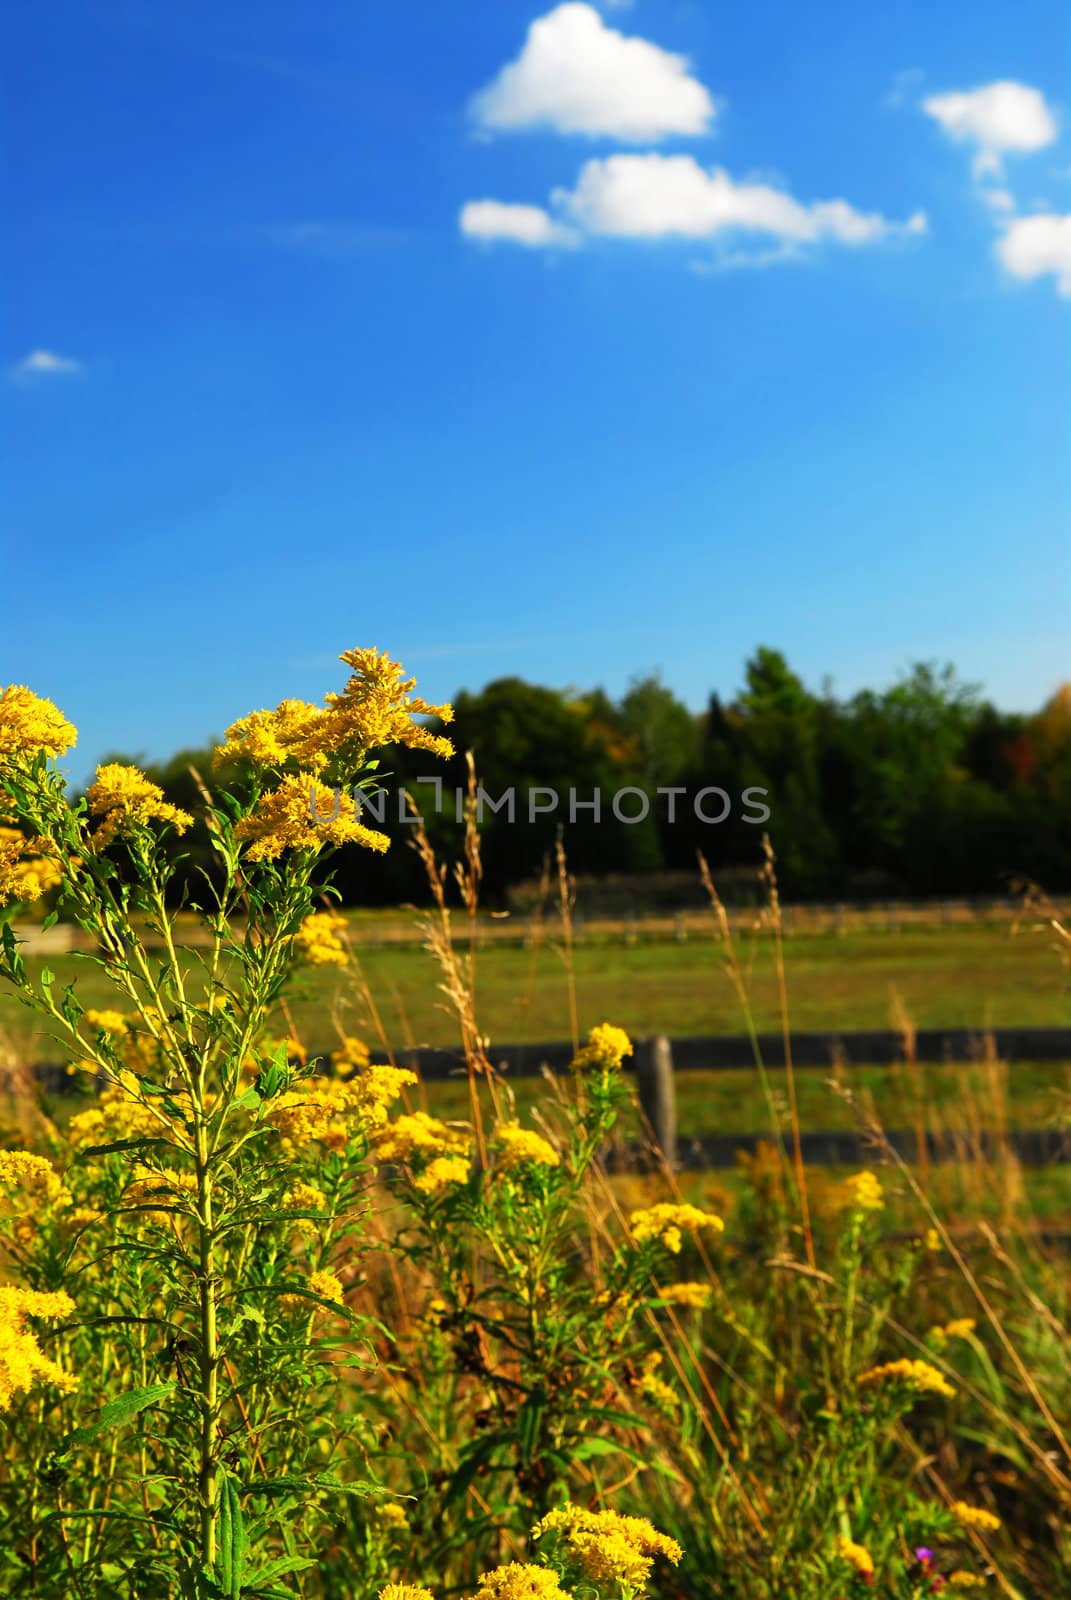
{"x":567,"y":341}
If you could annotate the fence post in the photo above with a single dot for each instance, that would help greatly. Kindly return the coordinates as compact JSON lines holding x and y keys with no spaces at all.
{"x":658,"y":1096}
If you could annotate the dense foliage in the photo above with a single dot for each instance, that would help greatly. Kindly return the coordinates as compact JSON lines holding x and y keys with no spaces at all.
{"x":922,"y":789}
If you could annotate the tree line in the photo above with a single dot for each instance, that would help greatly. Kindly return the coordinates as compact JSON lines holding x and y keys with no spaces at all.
{"x":923,"y":788}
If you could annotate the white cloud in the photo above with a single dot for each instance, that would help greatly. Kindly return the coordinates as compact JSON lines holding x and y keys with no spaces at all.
{"x":46,"y":364}
{"x":1035,"y":247}
{"x":576,"y":75}
{"x":999,"y":200}
{"x":997,"y":118}
{"x":652,"y":196}
{"x":527,"y":225}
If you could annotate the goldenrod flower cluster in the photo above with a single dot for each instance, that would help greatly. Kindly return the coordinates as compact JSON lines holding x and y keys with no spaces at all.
{"x":27,"y":871}
{"x":696,"y":1296}
{"x":305,"y":1197}
{"x":126,"y":800}
{"x":855,"y":1555}
{"x":377,"y":707}
{"x":518,"y":1581}
{"x":354,"y":1056}
{"x":667,"y":1223}
{"x":118,"y":1114}
{"x":418,"y":1134}
{"x":607,"y":1046}
{"x":322,"y":1283}
{"x":300,"y":815}
{"x":964,"y":1580}
{"x":441,"y":1172}
{"x":607,"y":1546}
{"x":654,"y":1387}
{"x":22,"y":1360}
{"x":404,"y":1591}
{"x":35,"y":1175}
{"x":318,"y":942}
{"x":294,"y":732}
{"x":332,"y":1111}
{"x":863,"y":1192}
{"x":521,"y":1147}
{"x":958,"y":1328}
{"x":31,"y":726}
{"x":974,"y":1517}
{"x":916,"y":1375}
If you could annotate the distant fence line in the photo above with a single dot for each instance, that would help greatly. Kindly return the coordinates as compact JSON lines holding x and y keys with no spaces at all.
{"x":657,"y":1060}
{"x":526,"y":929}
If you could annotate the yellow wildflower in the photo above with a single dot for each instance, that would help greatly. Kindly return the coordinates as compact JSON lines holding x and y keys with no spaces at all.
{"x":520,"y":1582}
{"x":305,"y":1197}
{"x":855,"y":1555}
{"x":932,"y":1241}
{"x":960,"y":1328}
{"x":376,"y":708}
{"x":442,"y":1171}
{"x":696,"y":1296}
{"x":22,"y":1360}
{"x":118,"y":1114}
{"x":959,"y":1579}
{"x":391,"y":1516}
{"x":318,"y":942}
{"x":419,"y":1134}
{"x":917,"y":1375}
{"x":353,"y":1056}
{"x":667,"y":1223}
{"x":27,"y":868}
{"x":34,"y":1174}
{"x":519,"y":1147}
{"x":303,"y":814}
{"x":609,"y":1547}
{"x":294,"y":731}
{"x":30,"y":725}
{"x":126,"y":799}
{"x":112,"y":1022}
{"x":326,"y":1285}
{"x":321,"y":1283}
{"x":974,"y":1517}
{"x":654,"y":1387}
{"x":606,"y":1046}
{"x":404,"y":1591}
{"x":863,"y":1192}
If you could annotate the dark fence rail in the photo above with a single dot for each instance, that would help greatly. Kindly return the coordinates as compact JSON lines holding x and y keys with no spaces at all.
{"x":657,"y":1060}
{"x":723,"y":1052}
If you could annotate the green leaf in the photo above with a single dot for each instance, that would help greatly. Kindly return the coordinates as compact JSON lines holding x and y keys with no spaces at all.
{"x":115,"y":1412}
{"x":276,"y":1568}
{"x":233,"y":1546}
{"x":48,"y":977}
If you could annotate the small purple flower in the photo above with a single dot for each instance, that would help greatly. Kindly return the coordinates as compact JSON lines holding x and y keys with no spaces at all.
{"x":924,"y":1555}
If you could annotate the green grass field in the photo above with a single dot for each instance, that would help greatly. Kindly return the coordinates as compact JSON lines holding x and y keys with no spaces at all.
{"x":968,"y":976}
{"x":953,"y":977}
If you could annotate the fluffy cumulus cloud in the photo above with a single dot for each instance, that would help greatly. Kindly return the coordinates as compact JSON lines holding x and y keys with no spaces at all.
{"x":1038,"y":247}
{"x":997,"y":119}
{"x":46,"y":364}
{"x":575,"y":75}
{"x":652,"y":196}
{"x":527,"y":225}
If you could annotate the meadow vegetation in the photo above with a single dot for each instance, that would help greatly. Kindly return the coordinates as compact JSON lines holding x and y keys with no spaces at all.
{"x":270,"y":1331}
